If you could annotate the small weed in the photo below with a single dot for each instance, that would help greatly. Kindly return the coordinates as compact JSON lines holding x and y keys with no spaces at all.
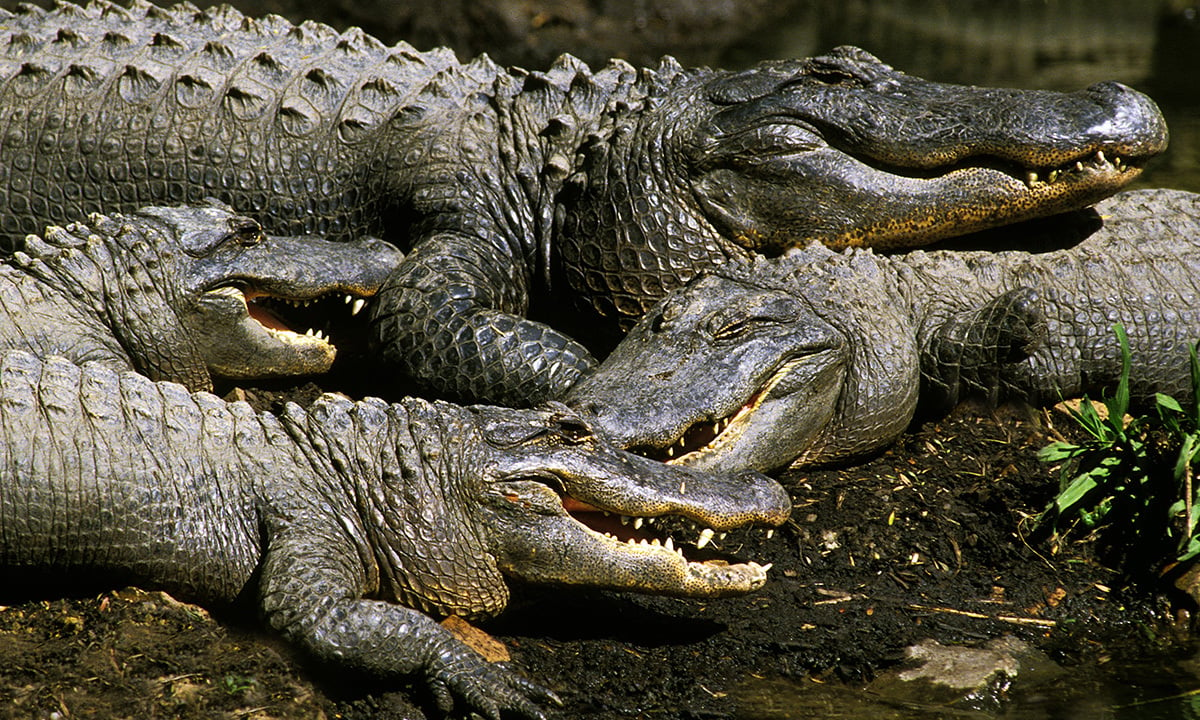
{"x":1131,"y":481}
{"x":234,"y":683}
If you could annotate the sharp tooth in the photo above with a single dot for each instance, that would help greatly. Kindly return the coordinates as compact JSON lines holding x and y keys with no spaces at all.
{"x":722,"y":536}
{"x":671,"y":451}
{"x":669,"y":544}
{"x":655,"y":543}
{"x":771,"y":533}
{"x":705,"y":536}
{"x":1100,"y":156}
{"x":625,"y":519}
{"x":1079,"y":165}
{"x":766,"y":567}
{"x":637,"y":523}
{"x":348,"y":299}
{"x":1031,"y":178}
{"x":309,"y":332}
{"x":1053,"y":176}
{"x":357,"y":306}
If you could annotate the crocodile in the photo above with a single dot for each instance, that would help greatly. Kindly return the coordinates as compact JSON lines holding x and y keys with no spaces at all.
{"x":347,"y":525}
{"x":184,"y":294}
{"x":513,"y":190}
{"x":820,"y":357}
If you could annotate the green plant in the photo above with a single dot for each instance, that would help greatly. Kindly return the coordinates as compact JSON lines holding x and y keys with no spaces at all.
{"x":235,"y":683}
{"x":1131,"y":479}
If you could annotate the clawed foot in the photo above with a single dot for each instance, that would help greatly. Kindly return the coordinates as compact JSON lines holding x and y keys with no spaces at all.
{"x":965,"y":355}
{"x":466,"y":682}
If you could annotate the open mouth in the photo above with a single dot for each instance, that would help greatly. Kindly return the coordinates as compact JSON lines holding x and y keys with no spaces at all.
{"x":332,"y":318}
{"x":661,"y":534}
{"x":707,"y":437}
{"x":698,"y":556}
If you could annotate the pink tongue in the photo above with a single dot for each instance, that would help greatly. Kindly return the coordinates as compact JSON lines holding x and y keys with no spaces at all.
{"x":571,"y":504}
{"x":265,"y":317}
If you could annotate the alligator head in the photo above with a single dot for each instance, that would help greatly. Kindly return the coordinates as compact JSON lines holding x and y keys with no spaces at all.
{"x":840,"y":149}
{"x":568,"y":507}
{"x":477,"y":495}
{"x":200,"y":292}
{"x":753,"y":367}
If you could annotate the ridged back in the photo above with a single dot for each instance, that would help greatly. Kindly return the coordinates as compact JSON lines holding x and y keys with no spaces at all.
{"x":93,"y":479}
{"x":108,"y":108}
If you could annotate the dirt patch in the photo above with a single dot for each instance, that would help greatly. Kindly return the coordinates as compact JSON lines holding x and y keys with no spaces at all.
{"x":925,"y":541}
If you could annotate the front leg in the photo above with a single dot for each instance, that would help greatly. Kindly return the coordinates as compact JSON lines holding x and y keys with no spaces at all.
{"x":311,"y":596}
{"x":450,"y":317}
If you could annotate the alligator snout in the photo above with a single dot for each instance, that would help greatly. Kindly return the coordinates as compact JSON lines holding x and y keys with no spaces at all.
{"x":1133,"y":124}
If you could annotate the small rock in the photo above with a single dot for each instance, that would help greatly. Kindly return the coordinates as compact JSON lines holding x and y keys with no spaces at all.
{"x":976,"y":678}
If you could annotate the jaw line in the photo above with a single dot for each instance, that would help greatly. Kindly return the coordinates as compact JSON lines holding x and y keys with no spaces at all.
{"x":737,"y":423}
{"x":247,"y":327}
{"x":1013,"y":194}
{"x":662,"y":558}
{"x":286,"y":338}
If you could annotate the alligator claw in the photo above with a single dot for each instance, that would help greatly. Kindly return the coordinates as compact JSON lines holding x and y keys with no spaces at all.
{"x":467,"y":682}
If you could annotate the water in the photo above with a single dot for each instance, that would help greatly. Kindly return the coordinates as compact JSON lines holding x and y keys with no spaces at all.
{"x":1130,"y":691}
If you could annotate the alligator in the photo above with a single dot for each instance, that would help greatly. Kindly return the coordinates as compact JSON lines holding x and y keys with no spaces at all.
{"x":347,"y":524}
{"x":820,"y":357}
{"x":184,"y":294}
{"x":513,"y":190}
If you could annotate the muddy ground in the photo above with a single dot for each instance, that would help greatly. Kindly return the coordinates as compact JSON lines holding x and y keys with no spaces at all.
{"x":929,"y":540}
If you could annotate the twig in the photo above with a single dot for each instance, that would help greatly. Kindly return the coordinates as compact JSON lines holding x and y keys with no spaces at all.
{"x":1016,"y":620}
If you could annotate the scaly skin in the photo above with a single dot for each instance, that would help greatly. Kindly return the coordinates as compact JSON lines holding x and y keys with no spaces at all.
{"x":164,"y":292}
{"x":347,"y":522}
{"x":820,"y":357}
{"x":608,"y":187}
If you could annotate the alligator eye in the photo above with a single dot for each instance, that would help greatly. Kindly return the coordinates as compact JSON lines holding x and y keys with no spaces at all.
{"x":732,"y":330}
{"x":834,"y":76}
{"x":245,"y":232}
{"x":573,"y":429}
{"x":758,"y":313}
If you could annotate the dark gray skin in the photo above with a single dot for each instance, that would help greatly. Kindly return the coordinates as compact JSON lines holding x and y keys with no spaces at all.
{"x":606,"y":188}
{"x":182,"y":293}
{"x":821,"y":357}
{"x":345,"y":523}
